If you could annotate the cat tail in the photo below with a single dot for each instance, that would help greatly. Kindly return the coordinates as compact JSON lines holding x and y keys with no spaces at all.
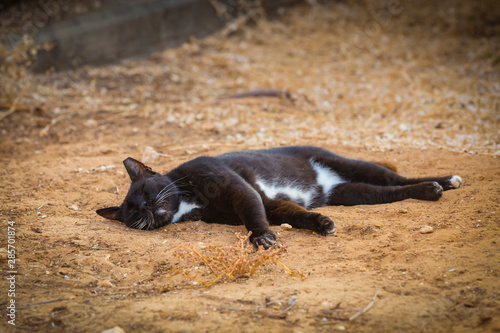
{"x":387,"y":165}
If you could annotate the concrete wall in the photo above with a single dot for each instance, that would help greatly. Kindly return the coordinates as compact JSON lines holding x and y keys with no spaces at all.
{"x":130,"y":28}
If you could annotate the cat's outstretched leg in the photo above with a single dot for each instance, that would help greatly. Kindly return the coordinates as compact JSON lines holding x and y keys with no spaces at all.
{"x":358,"y":171}
{"x":350,"y":194}
{"x":448,"y":183}
{"x":282,"y":211}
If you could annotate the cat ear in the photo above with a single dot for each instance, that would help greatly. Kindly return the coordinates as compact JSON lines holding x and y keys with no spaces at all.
{"x":112,"y":213}
{"x":136,"y":169}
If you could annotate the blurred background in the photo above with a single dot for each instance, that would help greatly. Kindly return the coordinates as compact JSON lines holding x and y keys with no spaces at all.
{"x":376,"y":74}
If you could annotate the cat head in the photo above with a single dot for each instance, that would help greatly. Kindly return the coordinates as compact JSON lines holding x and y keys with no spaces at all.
{"x":150,"y":201}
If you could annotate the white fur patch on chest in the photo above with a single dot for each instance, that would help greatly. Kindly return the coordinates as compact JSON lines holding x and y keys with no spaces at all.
{"x":326,"y":177}
{"x":184,"y":208}
{"x":296,"y":193}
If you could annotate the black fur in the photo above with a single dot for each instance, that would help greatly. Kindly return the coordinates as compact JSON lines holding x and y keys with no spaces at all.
{"x":225,"y":189}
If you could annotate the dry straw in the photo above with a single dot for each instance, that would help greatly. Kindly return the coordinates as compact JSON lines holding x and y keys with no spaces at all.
{"x":217,"y":264}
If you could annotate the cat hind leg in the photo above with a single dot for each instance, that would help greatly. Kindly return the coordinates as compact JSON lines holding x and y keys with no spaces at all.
{"x":350,"y":194}
{"x":448,"y":183}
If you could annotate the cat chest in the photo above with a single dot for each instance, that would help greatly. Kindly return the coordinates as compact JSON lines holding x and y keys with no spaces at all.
{"x":185,"y":207}
{"x":298,"y":190}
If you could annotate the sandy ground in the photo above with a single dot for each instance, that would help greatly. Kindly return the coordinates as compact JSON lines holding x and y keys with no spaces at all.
{"x":61,"y":160}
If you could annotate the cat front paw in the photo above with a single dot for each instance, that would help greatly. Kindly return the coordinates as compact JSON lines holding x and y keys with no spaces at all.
{"x":265,"y":240}
{"x":326,"y":226}
{"x":194,"y":215}
{"x":429,"y":191}
{"x":436,"y":191}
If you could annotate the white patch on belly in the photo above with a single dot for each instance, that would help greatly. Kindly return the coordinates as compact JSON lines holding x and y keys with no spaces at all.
{"x":294,"y":192}
{"x":184,"y":207}
{"x":326,"y":177}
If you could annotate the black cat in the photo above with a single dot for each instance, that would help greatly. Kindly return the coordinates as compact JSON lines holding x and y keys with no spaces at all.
{"x":278,"y":185}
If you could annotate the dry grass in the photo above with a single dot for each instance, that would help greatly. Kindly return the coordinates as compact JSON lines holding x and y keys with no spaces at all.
{"x":218,"y":264}
{"x":18,"y":86}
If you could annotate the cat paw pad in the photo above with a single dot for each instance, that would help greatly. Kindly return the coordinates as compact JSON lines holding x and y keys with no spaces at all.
{"x":265,"y":240}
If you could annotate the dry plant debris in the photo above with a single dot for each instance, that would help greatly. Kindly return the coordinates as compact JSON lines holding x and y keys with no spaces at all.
{"x":218,"y":264}
{"x":18,"y":88}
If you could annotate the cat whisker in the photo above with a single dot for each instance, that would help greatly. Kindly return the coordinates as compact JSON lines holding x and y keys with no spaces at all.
{"x":164,"y":194}
{"x":151,"y":226}
{"x":161,"y":199}
{"x":150,"y":223}
{"x":165,"y":190}
{"x":171,"y":186}
{"x":170,"y":193}
{"x":136,"y":223}
{"x":142,"y":225}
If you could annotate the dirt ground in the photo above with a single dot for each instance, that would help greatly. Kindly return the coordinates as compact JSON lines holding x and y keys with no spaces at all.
{"x":421,"y":93}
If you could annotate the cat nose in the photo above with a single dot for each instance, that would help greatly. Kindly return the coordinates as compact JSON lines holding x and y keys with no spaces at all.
{"x":143,"y":205}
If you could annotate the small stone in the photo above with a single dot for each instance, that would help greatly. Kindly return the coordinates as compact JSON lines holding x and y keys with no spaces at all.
{"x":90,"y":123}
{"x":426,"y":229}
{"x":116,"y":329}
{"x":286,"y":226}
{"x":74,"y":207}
{"x":44,"y":132}
{"x":35,"y":229}
{"x":104,"y":284}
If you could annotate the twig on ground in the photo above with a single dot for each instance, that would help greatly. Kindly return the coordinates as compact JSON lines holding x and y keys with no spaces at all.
{"x":261,"y":93}
{"x":44,"y":302}
{"x":356,"y":315}
{"x":291,"y":303}
{"x":240,"y":309}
